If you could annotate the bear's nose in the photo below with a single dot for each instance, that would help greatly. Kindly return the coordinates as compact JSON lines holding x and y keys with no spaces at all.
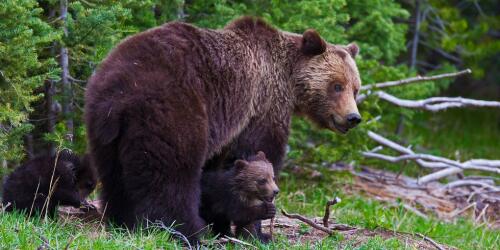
{"x":275,"y":192}
{"x":353,"y":119}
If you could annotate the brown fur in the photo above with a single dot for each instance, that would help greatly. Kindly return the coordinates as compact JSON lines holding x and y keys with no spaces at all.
{"x":170,"y":100}
{"x":241,"y":194}
{"x":27,"y":188}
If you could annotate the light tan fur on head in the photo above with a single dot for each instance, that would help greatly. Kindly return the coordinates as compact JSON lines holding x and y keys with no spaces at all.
{"x":326,"y":87}
{"x":254,"y":181}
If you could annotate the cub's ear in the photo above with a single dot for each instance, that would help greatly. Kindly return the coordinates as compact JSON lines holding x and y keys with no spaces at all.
{"x":260,"y":156}
{"x":240,"y":164}
{"x":353,"y":49}
{"x":312,"y":43}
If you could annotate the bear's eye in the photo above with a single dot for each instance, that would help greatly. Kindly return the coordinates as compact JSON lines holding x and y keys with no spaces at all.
{"x":261,"y":181}
{"x":338,"y":88}
{"x":356,"y":93}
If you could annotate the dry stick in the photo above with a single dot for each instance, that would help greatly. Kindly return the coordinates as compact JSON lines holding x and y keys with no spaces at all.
{"x":271,"y":228}
{"x":415,"y":79}
{"x":431,"y":241}
{"x":34,"y":198}
{"x":436,"y":103}
{"x":234,"y":240}
{"x":327,"y":210}
{"x":307,"y":221}
{"x":483,"y":212}
{"x":429,"y":161}
{"x":464,"y":209}
{"x":460,"y":183}
{"x":51,"y":184}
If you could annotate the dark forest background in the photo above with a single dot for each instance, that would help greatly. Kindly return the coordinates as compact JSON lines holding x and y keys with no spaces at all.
{"x":48,"y":49}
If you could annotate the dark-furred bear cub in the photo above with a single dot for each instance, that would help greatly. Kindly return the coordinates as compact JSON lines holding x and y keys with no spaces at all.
{"x":27,"y":188}
{"x":241,"y":194}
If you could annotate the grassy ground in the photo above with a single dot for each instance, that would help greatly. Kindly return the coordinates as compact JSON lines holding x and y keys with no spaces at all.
{"x":459,"y":134}
{"x":300,"y":194}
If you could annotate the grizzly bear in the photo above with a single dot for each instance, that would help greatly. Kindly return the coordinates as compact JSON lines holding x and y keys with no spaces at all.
{"x":175,"y":99}
{"x":29,"y":187}
{"x":241,"y":194}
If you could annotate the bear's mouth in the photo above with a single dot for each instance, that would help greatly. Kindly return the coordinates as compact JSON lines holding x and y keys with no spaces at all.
{"x":338,"y":127}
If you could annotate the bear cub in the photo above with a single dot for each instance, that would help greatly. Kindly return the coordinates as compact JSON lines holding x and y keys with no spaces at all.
{"x":73,"y":179}
{"x":241,"y":194}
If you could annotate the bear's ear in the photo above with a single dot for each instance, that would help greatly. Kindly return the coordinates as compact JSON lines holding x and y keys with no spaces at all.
{"x":353,"y":49}
{"x":312,"y":43}
{"x":260,"y":156}
{"x":240,"y":164}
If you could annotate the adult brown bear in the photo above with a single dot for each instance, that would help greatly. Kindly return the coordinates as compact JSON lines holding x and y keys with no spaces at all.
{"x":173,"y":99}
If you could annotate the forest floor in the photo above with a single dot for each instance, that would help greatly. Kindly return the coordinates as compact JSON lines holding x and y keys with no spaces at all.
{"x":377,"y":223}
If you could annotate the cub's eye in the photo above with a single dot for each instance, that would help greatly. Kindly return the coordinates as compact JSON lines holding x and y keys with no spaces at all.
{"x":338,"y":88}
{"x":261,"y":181}
{"x":356,"y":93}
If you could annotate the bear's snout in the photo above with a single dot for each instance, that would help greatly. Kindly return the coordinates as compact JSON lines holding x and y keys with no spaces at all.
{"x":353,"y":119}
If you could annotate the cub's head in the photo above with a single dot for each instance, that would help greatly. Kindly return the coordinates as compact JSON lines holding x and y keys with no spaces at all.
{"x":326,"y":83}
{"x":82,"y":176}
{"x":254,"y":180}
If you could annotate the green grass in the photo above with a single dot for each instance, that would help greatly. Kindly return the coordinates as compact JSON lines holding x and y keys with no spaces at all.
{"x":459,"y":133}
{"x":308,"y":197}
{"x":299,"y":195}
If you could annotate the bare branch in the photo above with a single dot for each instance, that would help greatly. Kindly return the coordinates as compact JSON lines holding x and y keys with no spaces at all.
{"x":415,"y":79}
{"x":451,"y":167}
{"x":453,"y":170}
{"x":327,"y":210}
{"x":388,"y":143}
{"x":439,"y":247}
{"x":412,"y":157}
{"x":460,"y":183}
{"x":437,"y":103}
{"x":307,"y":221}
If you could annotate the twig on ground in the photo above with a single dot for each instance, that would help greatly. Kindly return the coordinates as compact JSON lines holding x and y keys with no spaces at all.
{"x":327,"y":210}
{"x":307,"y":221}
{"x":236,"y":241}
{"x":172,"y":231}
{"x":431,"y":241}
{"x":460,"y":183}
{"x":271,"y":228}
{"x":463,"y":210}
{"x":415,"y":79}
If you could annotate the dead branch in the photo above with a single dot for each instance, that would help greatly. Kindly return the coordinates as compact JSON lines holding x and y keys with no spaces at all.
{"x":436,"y":103}
{"x":453,"y":170}
{"x":327,"y":210}
{"x":431,"y":241}
{"x":307,"y":221}
{"x":448,"y":167}
{"x":271,"y":228}
{"x":412,"y":157}
{"x":460,"y":183}
{"x":236,"y":241}
{"x":388,"y":143}
{"x":415,"y":79}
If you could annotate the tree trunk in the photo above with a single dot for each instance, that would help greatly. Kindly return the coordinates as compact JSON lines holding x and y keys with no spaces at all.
{"x":65,"y":81}
{"x":49,"y":93}
{"x":414,"y":47}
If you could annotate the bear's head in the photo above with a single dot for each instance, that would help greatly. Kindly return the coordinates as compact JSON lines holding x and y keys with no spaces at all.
{"x":326,"y":82}
{"x":254,"y":180}
{"x":77,"y":174}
